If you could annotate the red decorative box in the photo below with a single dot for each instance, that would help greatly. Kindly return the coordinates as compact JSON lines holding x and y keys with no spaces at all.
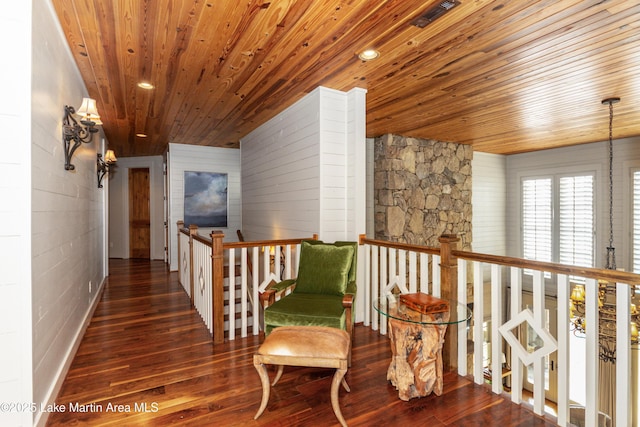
{"x":424,"y":303}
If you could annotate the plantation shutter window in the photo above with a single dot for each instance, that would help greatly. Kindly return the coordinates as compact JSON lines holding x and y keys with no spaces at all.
{"x":558,"y":219}
{"x":576,"y":228}
{"x":537,"y":217}
{"x":636,"y":222}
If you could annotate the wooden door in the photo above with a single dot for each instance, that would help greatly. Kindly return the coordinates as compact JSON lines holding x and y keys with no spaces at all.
{"x":139,"y":214}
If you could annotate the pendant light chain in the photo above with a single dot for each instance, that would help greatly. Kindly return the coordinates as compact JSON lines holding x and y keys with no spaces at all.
{"x":611,"y":251}
{"x":611,"y":248}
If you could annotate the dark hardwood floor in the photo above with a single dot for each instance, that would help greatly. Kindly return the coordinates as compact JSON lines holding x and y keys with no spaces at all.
{"x":147,"y":359}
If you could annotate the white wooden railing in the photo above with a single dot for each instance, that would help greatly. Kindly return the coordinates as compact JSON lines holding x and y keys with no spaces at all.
{"x":447,"y":272}
{"x":470,"y":278}
{"x":546,"y":279}
{"x":224,"y":279}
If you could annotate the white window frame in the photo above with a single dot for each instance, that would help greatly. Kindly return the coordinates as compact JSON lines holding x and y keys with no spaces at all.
{"x":634,"y":235}
{"x":555,"y":206}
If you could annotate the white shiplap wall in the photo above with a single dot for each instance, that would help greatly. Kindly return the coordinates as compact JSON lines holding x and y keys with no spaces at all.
{"x":587,"y":157}
{"x":117,"y":184}
{"x":195,"y":158}
{"x":302,"y":169}
{"x":356,"y":215}
{"x":67,"y":212}
{"x":281,"y":174}
{"x":15,"y":216}
{"x":489,"y":201}
{"x":333,"y":164}
{"x":370,"y":162}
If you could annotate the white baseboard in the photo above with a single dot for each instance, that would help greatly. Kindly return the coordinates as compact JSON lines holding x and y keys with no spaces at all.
{"x":40,"y":419}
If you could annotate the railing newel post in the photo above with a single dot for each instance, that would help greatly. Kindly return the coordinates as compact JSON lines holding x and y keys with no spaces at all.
{"x":449,"y":291}
{"x":217,"y":285}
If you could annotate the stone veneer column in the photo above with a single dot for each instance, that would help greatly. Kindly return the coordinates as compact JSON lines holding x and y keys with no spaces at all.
{"x":422,"y":190}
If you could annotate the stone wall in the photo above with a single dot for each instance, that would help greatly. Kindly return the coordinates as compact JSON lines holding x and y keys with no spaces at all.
{"x":422,"y":190}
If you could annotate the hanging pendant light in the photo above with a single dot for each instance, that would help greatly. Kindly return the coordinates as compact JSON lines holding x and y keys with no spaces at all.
{"x":606,"y":290}
{"x":611,"y":250}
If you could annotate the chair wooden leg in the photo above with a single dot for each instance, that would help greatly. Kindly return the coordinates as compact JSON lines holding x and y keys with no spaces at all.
{"x":335,"y":387}
{"x":266,"y":387}
{"x":350,"y":331}
{"x":278,"y":374}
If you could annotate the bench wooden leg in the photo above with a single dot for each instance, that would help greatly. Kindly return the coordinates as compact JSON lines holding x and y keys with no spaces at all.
{"x":330,"y":349}
{"x":266,"y":387}
{"x":278,"y":375}
{"x":338,"y":379}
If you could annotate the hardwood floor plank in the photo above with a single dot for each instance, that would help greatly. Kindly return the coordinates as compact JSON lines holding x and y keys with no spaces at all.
{"x":147,"y":359}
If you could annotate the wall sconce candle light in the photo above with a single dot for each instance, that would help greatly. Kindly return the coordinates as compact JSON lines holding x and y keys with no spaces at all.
{"x":78,"y":132}
{"x":104,"y":165}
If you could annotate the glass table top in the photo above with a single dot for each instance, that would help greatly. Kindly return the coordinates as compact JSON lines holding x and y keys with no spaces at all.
{"x":391,"y":307}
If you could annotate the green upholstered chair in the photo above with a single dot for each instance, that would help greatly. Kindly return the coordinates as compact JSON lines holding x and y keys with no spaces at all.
{"x":323,"y":293}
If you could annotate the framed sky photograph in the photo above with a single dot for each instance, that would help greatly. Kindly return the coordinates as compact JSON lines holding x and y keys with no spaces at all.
{"x":205,"y":199}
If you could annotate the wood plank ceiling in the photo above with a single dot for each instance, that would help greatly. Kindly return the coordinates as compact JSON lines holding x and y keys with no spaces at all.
{"x":504,"y":76}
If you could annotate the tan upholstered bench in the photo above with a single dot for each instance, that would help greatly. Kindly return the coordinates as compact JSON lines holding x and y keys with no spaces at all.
{"x":313,"y":346}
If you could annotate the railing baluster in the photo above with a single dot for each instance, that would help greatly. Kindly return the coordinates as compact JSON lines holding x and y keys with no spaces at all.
{"x":436,"y":290}
{"x":424,"y":273}
{"x":287,"y":262}
{"x":392,"y":270}
{"x":266,"y":263}
{"x":255,"y":285}
{"x":232,"y":294}
{"x":539,"y":317}
{"x":623,"y":354}
{"x":462,"y":329}
{"x":592,"y":334}
{"x":563,"y":349}
{"x":276,"y":264}
{"x":244,"y":292}
{"x":516,"y":307}
{"x":413,"y":268}
{"x":496,"y":322}
{"x":402,"y":271}
{"x":366,"y":292}
{"x":478,"y":321}
{"x":384,"y":279}
{"x":207,"y":301}
{"x":375,"y":283}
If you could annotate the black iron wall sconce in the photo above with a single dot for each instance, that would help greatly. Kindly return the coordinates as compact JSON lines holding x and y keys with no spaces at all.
{"x":104,"y":165}
{"x":78,"y":132}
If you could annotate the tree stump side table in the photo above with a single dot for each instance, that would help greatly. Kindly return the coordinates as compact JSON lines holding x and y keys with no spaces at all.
{"x":416,"y":367}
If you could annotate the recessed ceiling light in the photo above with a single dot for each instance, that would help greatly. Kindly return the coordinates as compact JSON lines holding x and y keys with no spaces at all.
{"x":369,"y":54}
{"x":145,"y":85}
{"x":141,"y":135}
